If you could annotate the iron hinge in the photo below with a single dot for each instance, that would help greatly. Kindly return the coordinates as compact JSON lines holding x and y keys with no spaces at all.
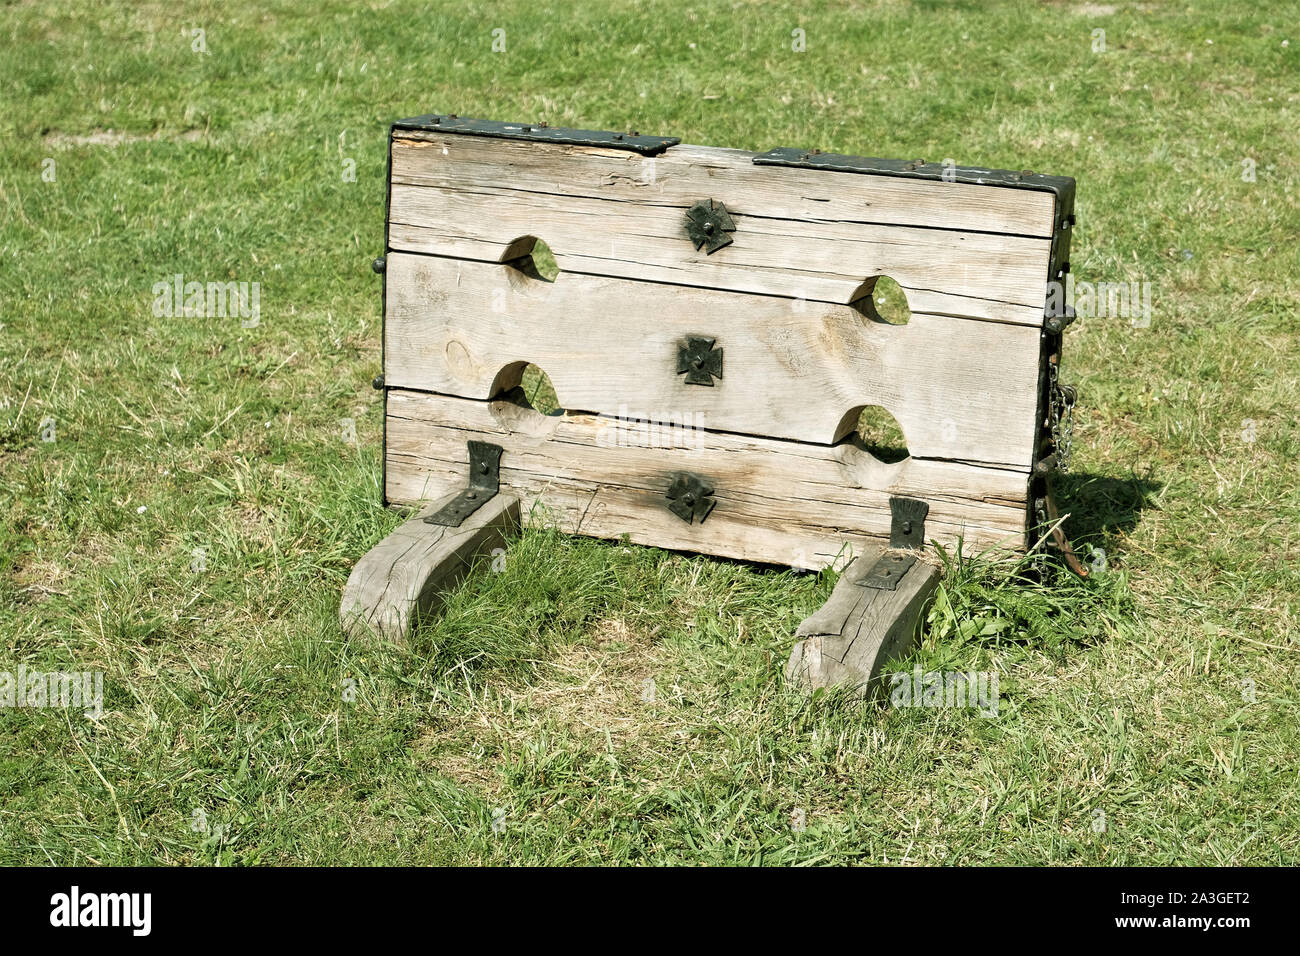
{"x":1057,"y":317}
{"x":484,"y":483}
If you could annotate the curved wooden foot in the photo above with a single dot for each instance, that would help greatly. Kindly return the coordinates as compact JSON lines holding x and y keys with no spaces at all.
{"x":860,"y":629}
{"x":403,"y":576}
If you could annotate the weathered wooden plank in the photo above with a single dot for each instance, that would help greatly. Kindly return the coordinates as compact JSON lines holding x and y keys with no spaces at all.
{"x":684,"y":173}
{"x":404,"y":576}
{"x":859,"y":630}
{"x":960,"y":390}
{"x":777,"y":501}
{"x":990,"y":276}
{"x":997,"y":278}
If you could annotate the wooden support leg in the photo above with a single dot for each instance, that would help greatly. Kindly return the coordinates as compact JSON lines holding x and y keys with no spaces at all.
{"x":860,"y":629}
{"x":404,"y":575}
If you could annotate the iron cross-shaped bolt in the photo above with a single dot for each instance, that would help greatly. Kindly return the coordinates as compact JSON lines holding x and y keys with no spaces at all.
{"x":707,"y":223}
{"x":690,"y":497}
{"x":701,"y":362}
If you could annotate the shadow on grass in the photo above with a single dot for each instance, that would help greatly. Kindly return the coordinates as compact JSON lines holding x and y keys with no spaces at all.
{"x":1103,"y":508}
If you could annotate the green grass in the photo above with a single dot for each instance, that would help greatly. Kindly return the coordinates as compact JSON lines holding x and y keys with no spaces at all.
{"x":239,"y":728}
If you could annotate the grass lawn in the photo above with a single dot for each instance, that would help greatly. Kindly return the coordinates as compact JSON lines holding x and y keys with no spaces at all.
{"x":181,"y":499}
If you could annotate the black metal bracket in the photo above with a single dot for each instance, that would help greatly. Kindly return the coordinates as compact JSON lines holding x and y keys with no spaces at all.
{"x":887,"y":571}
{"x":907,"y":527}
{"x":484,"y":483}
{"x":538,"y":133}
{"x":1058,"y":316}
{"x":707,"y":223}
{"x":690,"y":497}
{"x":699,"y":360}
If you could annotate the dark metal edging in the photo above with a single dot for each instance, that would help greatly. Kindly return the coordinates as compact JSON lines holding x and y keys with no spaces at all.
{"x":537,"y":133}
{"x":1061,"y":186}
{"x":383,"y":317}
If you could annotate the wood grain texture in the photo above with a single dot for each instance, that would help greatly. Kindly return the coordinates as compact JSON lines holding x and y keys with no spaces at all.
{"x":474,"y":198}
{"x":681,"y":174}
{"x":960,"y":390}
{"x":850,"y":639}
{"x":404,"y":576}
{"x":778,"y":501}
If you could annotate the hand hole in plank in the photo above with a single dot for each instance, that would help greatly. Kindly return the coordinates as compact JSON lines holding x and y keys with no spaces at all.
{"x":524,"y":399}
{"x":881,"y":299}
{"x":539,"y":391}
{"x":875,"y":431}
{"x":528,"y":386}
{"x":532,"y":258}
